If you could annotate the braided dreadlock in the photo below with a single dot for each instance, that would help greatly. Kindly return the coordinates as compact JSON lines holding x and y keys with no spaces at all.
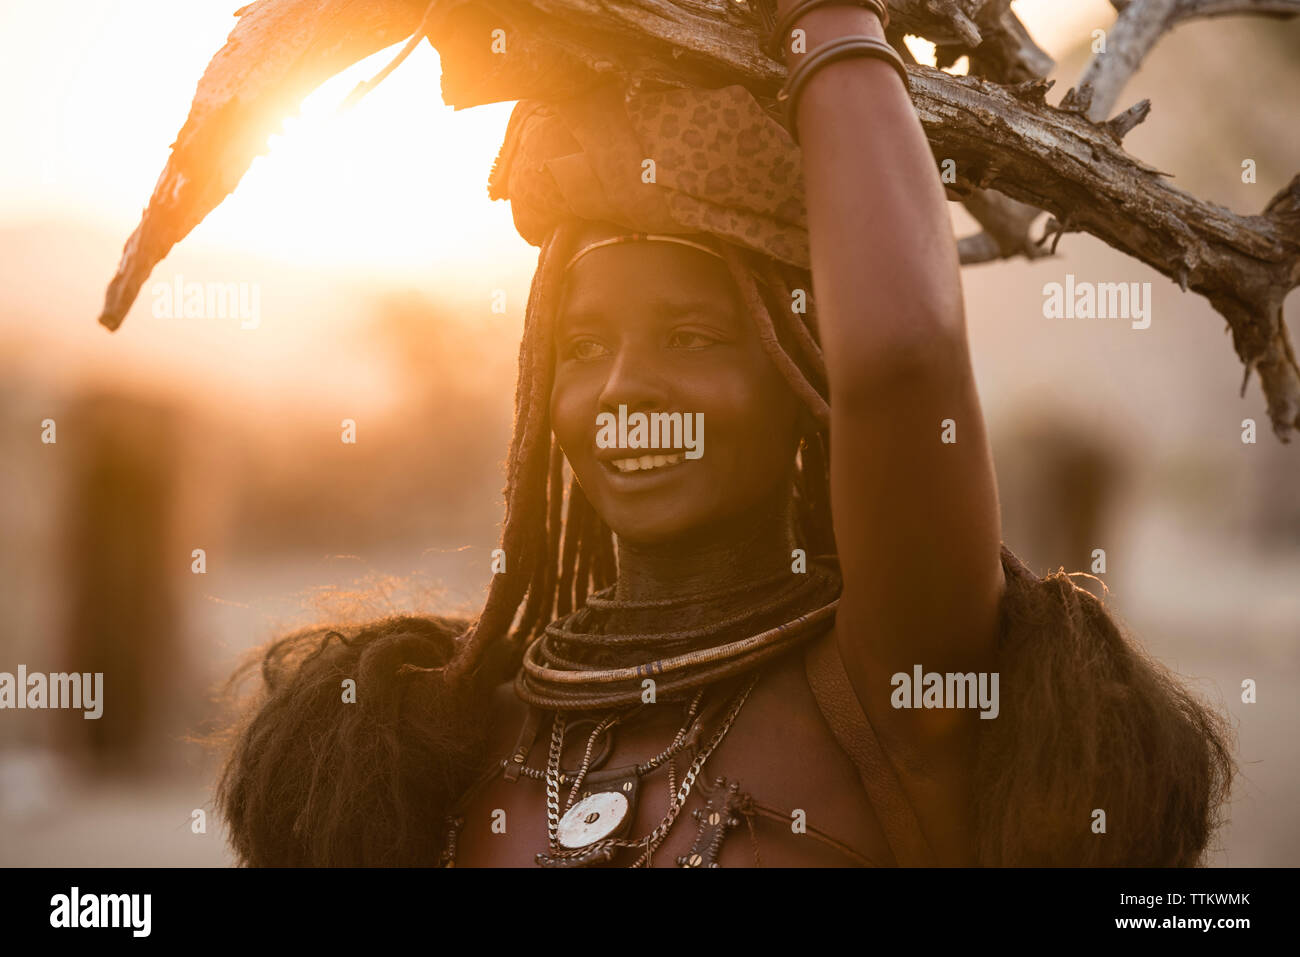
{"x":563,"y":560}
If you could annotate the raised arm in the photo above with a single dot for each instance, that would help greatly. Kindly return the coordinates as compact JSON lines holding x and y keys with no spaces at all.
{"x":916,"y":518}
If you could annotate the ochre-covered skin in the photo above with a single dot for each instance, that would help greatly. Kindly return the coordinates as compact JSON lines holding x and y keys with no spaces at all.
{"x":780,"y":750}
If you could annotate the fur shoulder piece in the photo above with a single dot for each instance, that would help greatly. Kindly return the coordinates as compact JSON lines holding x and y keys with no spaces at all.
{"x":317,"y":776}
{"x":1089,"y":723}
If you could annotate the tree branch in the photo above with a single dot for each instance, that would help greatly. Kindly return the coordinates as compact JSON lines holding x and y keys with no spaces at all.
{"x":1005,"y":51}
{"x":1135,"y":32}
{"x":1139,"y":25}
{"x":1189,"y":9}
{"x":1006,"y":225}
{"x":1006,"y":139}
{"x":1056,"y":160}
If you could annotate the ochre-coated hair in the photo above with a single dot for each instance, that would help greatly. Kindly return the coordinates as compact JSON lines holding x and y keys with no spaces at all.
{"x":1088,"y":722}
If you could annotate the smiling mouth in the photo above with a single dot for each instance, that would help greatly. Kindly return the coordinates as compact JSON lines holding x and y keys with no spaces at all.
{"x":645,"y":463}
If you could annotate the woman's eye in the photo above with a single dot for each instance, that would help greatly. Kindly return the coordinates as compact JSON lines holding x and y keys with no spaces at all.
{"x":585,"y":349}
{"x":691,"y":340}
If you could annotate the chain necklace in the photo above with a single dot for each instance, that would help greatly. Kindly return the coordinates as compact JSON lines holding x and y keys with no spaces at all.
{"x":725,"y":809}
{"x":588,"y":833}
{"x":686,"y":736}
{"x":589,"y":826}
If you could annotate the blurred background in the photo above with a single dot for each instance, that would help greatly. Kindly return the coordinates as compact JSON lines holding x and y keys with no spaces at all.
{"x":377,"y":260}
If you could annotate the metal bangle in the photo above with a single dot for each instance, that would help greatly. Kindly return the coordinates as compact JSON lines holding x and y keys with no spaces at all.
{"x":775,"y":43}
{"x":838,"y":49}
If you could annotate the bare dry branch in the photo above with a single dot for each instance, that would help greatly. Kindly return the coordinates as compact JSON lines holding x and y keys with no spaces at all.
{"x":1006,"y":139}
{"x":277,"y":53}
{"x":1139,"y":25}
{"x":1008,"y":44}
{"x":1006,"y":52}
{"x":1006,"y":224}
{"x":942,"y":21}
{"x":1058,"y":161}
{"x":1192,"y":9}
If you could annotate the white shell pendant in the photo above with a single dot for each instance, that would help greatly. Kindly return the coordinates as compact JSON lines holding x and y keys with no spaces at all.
{"x":592,"y":819}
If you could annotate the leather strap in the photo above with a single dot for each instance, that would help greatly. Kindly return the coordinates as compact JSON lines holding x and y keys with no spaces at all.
{"x":524,"y":746}
{"x":848,"y":722}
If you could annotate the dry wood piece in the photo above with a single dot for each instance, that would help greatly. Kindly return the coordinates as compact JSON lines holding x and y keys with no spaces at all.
{"x":1140,"y":24}
{"x":1015,"y":154}
{"x":1006,"y":225}
{"x":278,"y":53}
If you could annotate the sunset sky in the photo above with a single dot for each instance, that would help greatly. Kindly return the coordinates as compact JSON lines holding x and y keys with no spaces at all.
{"x":396,"y":187}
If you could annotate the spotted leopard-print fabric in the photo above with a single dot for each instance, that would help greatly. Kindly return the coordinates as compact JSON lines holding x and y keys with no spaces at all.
{"x":721,"y":165}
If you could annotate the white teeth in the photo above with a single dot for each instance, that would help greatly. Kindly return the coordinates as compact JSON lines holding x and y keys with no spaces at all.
{"x":646,"y":462}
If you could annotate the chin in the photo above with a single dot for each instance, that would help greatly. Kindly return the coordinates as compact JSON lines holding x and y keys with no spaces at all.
{"x":690,"y":522}
{"x":646,"y":530}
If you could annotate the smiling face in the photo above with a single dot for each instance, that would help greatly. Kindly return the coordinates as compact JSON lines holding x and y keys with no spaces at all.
{"x":659,"y":327}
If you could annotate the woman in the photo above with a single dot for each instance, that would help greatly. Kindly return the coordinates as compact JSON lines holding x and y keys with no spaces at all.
{"x":742,"y":666}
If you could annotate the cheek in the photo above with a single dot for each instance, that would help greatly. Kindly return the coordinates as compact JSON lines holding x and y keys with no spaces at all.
{"x":573,"y":417}
{"x":755,"y":405}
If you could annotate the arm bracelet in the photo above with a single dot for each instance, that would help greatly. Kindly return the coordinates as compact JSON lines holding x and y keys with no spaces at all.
{"x":776,"y":43}
{"x":838,"y":49}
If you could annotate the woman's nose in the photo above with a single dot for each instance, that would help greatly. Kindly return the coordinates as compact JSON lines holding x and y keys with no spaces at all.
{"x":634,"y":381}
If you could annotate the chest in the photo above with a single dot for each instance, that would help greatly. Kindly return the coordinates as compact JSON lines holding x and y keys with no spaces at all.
{"x":801,"y":788}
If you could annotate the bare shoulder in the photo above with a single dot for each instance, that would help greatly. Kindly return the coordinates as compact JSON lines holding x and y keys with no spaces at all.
{"x":506,"y":713}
